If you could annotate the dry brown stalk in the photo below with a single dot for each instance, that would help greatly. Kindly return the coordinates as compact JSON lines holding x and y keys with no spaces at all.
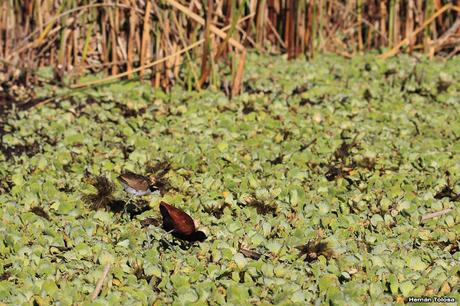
{"x":239,"y":74}
{"x":132,"y":31}
{"x":436,"y":214}
{"x":397,"y":23}
{"x":410,"y":25}
{"x":145,"y":38}
{"x":159,"y":53}
{"x":113,"y":39}
{"x":206,"y":46}
{"x":360,"y":25}
{"x":100,"y":282}
{"x":276,"y":34}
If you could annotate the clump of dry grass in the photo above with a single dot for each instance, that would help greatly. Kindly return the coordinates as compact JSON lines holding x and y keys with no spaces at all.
{"x":103,"y":198}
{"x":315,"y":248}
{"x":262,"y":207}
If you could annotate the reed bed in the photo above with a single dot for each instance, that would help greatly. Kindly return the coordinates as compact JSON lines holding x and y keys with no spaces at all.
{"x":194,"y":41}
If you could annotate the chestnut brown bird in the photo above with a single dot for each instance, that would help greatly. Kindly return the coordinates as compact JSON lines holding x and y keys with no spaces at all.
{"x":180,"y":224}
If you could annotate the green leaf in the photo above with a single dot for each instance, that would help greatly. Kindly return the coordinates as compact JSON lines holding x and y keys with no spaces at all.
{"x":376,"y":219}
{"x":416,"y":263}
{"x":49,"y":287}
{"x":394,"y":284}
{"x":240,"y":260}
{"x":406,"y":287}
{"x":223,"y":146}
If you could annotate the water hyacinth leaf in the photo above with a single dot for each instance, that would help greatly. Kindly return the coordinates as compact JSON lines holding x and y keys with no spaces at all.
{"x":180,"y":281}
{"x":49,"y":287}
{"x":394,"y":284}
{"x":298,"y":297}
{"x":274,"y":246}
{"x":323,"y":208}
{"x":237,"y":293}
{"x":326,"y":282}
{"x":416,"y":263}
{"x":257,"y":239}
{"x":406,"y":288}
{"x":376,"y":219}
{"x":222,"y":146}
{"x":17,"y":179}
{"x":187,"y":295}
{"x":106,"y":258}
{"x":240,"y":260}
{"x":103,"y":216}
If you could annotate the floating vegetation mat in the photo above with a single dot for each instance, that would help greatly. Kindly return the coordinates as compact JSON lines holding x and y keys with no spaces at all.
{"x":330,"y":181}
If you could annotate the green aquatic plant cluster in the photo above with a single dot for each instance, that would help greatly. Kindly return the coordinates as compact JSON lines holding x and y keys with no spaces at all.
{"x":313,"y":186}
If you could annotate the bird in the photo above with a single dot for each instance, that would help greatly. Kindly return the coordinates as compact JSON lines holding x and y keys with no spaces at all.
{"x":180,"y":224}
{"x":137,"y":185}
